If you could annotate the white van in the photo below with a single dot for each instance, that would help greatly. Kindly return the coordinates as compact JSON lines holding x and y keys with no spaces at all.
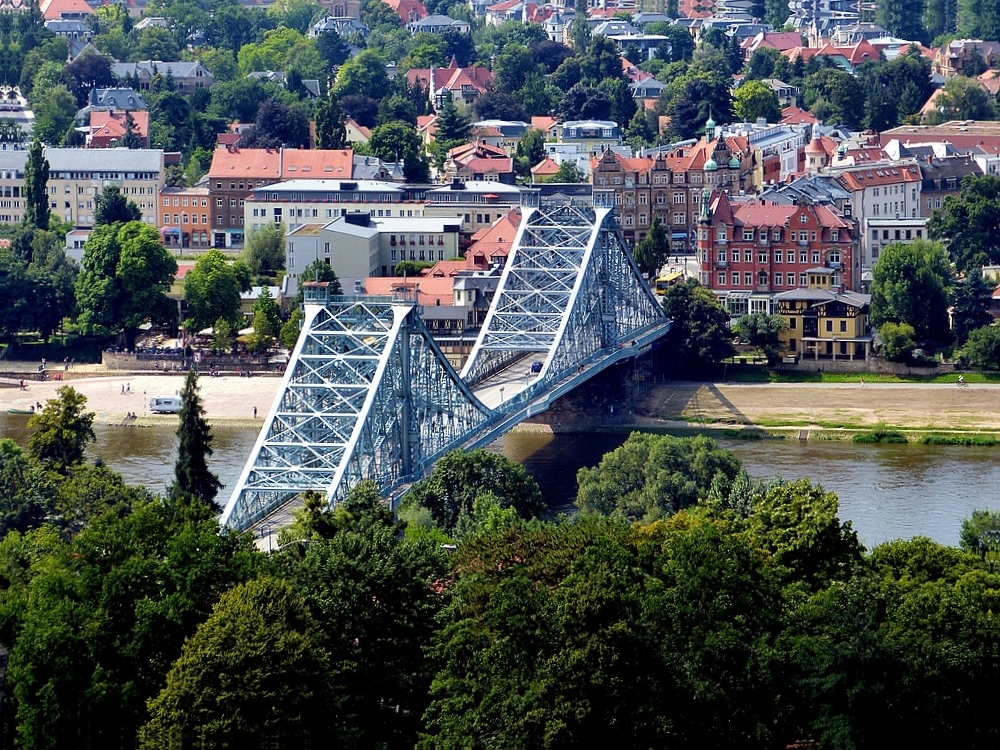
{"x":165,"y":404}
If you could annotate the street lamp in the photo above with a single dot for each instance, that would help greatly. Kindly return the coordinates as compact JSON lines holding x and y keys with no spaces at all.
{"x":501,"y":394}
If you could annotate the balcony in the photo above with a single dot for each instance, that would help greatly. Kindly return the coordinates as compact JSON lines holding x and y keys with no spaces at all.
{"x":722,"y":264}
{"x":803,"y":243}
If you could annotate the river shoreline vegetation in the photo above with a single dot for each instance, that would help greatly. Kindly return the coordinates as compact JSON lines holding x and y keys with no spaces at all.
{"x":684,"y":600}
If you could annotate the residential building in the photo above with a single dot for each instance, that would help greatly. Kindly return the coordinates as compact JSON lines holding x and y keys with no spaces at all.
{"x":12,"y":185}
{"x":408,"y":10}
{"x":503,"y":134}
{"x":823,"y":321}
{"x":68,"y":10}
{"x":951,"y":59}
{"x":184,"y":217}
{"x":304,"y":201}
{"x":356,"y":133}
{"x":115,"y":99}
{"x":236,"y":172}
{"x":667,"y":183}
{"x":779,"y":149}
{"x":491,"y":246}
{"x":343,"y":24}
{"x":77,"y":175}
{"x":358,"y":245}
{"x":479,"y":161}
{"x":479,"y":204}
{"x":310,"y":86}
{"x":108,"y":129}
{"x":889,"y":231}
{"x":786,"y":93}
{"x":463,"y":85}
{"x":76,"y":239}
{"x":943,"y":178}
{"x":71,"y":29}
{"x":188,"y":76}
{"x":591,"y":136}
{"x":884,"y":190}
{"x":750,"y":250}
{"x":437,"y":24}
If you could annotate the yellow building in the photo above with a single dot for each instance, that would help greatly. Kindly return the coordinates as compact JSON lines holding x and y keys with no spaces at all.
{"x":824,"y":324}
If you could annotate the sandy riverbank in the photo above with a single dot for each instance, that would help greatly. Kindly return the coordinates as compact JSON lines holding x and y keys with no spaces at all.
{"x":906,"y":405}
{"x":230,"y":399}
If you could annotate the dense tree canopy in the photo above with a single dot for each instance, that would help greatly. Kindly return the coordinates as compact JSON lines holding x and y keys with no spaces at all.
{"x":967,"y":224}
{"x":699,"y":331}
{"x":911,"y":284}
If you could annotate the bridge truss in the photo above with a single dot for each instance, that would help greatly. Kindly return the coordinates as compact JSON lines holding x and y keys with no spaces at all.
{"x":368,"y":394}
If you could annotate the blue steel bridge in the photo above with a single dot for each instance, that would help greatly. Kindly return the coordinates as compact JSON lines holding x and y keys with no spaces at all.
{"x":368,"y":394}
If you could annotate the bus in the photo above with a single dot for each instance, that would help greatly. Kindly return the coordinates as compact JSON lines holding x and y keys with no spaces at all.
{"x":665,"y":282}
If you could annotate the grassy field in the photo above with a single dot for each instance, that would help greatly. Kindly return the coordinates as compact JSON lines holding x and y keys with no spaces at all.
{"x":759,"y":375}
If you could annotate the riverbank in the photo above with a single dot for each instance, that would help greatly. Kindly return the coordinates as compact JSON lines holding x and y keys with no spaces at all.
{"x":820,"y":410}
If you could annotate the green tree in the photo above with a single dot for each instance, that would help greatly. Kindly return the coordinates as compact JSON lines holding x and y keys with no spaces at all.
{"x":125,"y":279}
{"x":277,"y":125}
{"x":330,"y":130}
{"x":222,"y":335}
{"x":399,"y":139}
{"x":653,"y":476}
{"x":568,"y":172}
{"x":652,"y":251}
{"x":62,"y":430}
{"x":458,"y":478}
{"x":530,"y":151}
{"x":318,"y":270}
{"x":111,"y":207}
{"x":193,"y":482}
{"x":982,"y":521}
{"x":363,"y":74}
{"x":963,"y":98}
{"x":266,"y":306}
{"x":982,"y":348}
{"x":970,"y":302}
{"x":797,"y":523}
{"x":840,"y":94}
{"x":762,"y":330}
{"x":254,"y":674}
{"x":54,"y":109}
{"x":898,"y":341}
{"x":967,"y":224}
{"x":264,"y":251}
{"x":289,"y":335}
{"x":699,"y":330}
{"x":452,"y":128}
{"x":911,"y":283}
{"x":902,"y":19}
{"x":381,"y":670}
{"x":36,"y":191}
{"x":212,"y":290}
{"x":755,"y":99}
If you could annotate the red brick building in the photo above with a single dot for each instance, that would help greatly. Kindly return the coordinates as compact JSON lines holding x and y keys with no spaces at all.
{"x":750,"y":250}
{"x":183,"y":215}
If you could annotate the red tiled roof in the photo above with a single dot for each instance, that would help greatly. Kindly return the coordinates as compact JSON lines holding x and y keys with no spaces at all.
{"x":282,"y":164}
{"x":452,"y":78}
{"x":107,"y":126}
{"x":479,"y":165}
{"x":408,"y":10}
{"x":546,"y":167}
{"x":431,"y":290}
{"x":796,"y":116}
{"x":873,"y":175}
{"x":755,"y":213}
{"x":493,"y":242}
{"x":55,"y":9}
{"x":443,"y":268}
{"x":545,"y":124}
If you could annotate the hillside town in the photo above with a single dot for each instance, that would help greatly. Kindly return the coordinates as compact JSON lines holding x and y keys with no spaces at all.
{"x":770,"y":152}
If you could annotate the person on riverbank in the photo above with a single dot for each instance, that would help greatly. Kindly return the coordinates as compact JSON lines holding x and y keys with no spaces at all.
{"x":862,"y":381}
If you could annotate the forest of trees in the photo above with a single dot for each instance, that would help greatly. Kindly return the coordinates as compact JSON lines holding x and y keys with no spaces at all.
{"x":686,"y":603}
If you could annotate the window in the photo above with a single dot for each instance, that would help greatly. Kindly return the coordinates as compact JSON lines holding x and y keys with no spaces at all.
{"x":835,"y":236}
{"x":748,"y":279}
{"x":803,"y":218}
{"x":720,"y":234}
{"x":722,"y":278}
{"x":762,"y":256}
{"x":815,"y":256}
{"x":802,"y":279}
{"x":829,"y":326}
{"x":218,"y":202}
{"x":748,"y":235}
{"x":778,"y":256}
{"x":748,"y":256}
{"x":803,"y":256}
{"x":812,"y":236}
{"x":791,"y":323}
{"x":843,"y":326}
{"x":678,"y":218}
{"x":776,"y":236}
{"x":779,"y":279}
{"x":721,"y":256}
{"x":679,"y":198}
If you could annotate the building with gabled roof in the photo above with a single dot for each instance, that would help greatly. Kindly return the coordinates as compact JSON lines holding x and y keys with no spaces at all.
{"x":108,"y":128}
{"x":188,"y":76}
{"x":70,"y":10}
{"x":463,"y":85}
{"x":492,"y":245}
{"x":750,"y":250}
{"x":235,"y":172}
{"x":408,"y":10}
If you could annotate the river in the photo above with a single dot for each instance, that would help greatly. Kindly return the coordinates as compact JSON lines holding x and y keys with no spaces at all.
{"x":887,"y":491}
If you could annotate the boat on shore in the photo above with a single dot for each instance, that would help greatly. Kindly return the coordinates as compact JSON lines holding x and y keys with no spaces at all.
{"x":15,"y":410}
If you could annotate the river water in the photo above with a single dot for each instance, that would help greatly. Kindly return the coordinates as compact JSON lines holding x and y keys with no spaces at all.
{"x":887,"y":491}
